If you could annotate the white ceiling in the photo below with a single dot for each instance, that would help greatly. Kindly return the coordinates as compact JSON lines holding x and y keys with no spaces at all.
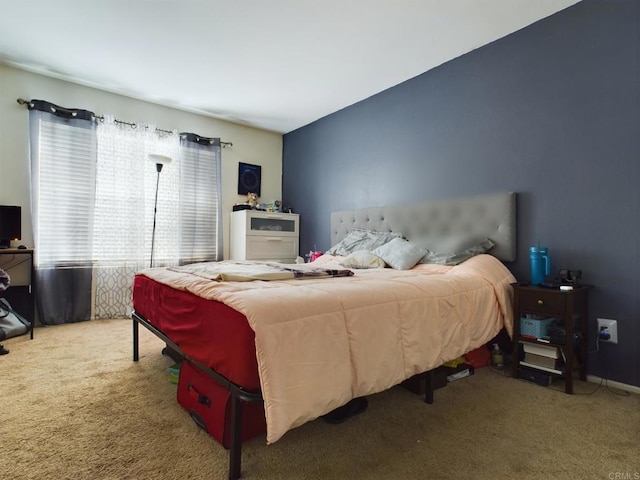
{"x":272,"y":64}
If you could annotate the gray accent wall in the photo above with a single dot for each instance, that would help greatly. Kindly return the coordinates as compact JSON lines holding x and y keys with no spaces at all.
{"x":550,"y":112}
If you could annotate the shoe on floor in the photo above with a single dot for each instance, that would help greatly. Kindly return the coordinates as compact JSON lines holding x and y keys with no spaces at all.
{"x":3,"y":351}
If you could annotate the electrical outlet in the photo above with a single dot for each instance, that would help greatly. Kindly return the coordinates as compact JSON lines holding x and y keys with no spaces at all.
{"x":611,"y":327}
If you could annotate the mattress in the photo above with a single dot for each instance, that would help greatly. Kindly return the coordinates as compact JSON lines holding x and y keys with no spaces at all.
{"x":206,"y":330}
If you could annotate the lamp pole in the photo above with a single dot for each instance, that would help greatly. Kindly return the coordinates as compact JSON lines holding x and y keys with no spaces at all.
{"x":160,"y":161}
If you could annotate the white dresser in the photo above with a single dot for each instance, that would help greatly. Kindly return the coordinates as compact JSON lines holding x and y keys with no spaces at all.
{"x":257,"y":235}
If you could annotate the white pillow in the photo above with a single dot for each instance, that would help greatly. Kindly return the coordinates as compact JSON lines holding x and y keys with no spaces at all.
{"x":400,"y":254}
{"x":362,"y":259}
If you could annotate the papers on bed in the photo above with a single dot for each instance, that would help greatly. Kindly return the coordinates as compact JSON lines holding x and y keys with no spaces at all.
{"x":243,"y":271}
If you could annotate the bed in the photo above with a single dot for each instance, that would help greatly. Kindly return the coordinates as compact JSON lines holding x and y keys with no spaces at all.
{"x":308,"y":343}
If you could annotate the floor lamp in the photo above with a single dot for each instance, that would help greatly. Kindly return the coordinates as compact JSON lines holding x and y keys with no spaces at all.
{"x":160,"y":161}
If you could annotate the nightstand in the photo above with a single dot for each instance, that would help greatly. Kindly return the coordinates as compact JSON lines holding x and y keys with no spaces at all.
{"x":560,"y":354}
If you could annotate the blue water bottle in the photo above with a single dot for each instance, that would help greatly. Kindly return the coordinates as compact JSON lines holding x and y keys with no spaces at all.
{"x":540,"y":264}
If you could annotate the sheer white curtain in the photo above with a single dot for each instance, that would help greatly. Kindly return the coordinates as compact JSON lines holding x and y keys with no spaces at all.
{"x":125,"y":191}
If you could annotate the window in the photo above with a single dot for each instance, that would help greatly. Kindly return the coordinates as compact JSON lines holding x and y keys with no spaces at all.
{"x":94,"y":190}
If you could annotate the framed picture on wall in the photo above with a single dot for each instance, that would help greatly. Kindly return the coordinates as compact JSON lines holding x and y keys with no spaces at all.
{"x":249,"y":178}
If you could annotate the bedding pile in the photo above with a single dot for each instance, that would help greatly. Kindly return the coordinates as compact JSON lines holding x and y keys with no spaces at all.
{"x":323,"y":341}
{"x":239,"y":271}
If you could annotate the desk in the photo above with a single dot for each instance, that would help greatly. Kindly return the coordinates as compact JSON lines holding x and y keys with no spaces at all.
{"x":19,"y":264}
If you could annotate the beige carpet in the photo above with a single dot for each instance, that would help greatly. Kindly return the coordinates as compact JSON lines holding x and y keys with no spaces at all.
{"x":75,"y":406}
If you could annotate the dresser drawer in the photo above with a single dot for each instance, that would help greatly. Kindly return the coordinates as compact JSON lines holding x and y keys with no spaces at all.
{"x":541,"y":302}
{"x":273,"y":224}
{"x":254,"y":222}
{"x":284,"y":249}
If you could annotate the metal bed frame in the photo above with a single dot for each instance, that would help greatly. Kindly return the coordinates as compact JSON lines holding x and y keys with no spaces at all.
{"x":239,"y":394}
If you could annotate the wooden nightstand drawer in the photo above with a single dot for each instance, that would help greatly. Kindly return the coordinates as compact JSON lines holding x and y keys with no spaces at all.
{"x":542,"y":302}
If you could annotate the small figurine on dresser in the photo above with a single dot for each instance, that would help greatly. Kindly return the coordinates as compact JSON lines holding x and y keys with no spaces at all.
{"x":251,"y":203}
{"x":252,"y":199}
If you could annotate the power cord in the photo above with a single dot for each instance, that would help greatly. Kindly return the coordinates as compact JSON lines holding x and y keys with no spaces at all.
{"x":622,"y":393}
{"x":603,"y":379}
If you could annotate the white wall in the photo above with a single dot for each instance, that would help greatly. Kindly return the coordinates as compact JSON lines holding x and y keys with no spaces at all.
{"x":250,"y":145}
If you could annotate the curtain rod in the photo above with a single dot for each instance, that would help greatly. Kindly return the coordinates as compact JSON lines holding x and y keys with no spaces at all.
{"x":28,"y":104}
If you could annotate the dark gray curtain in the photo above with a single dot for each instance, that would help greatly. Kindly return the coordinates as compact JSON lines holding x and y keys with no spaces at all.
{"x":200,"y":203}
{"x":63,"y":295}
{"x":63,"y":166}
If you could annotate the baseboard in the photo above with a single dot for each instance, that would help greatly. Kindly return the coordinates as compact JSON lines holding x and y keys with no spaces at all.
{"x":614,"y":384}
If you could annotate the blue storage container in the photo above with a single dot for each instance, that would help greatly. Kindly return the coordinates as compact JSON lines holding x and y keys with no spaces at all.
{"x":535,"y":327}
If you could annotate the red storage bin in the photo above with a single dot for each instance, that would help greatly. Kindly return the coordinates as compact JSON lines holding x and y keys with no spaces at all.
{"x":209,"y":405}
{"x":480,"y":357}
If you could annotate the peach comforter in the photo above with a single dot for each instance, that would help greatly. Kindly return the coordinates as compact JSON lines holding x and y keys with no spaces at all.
{"x":322,"y":342}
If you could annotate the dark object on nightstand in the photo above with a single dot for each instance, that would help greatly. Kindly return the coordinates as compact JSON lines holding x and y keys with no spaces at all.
{"x":570,"y":277}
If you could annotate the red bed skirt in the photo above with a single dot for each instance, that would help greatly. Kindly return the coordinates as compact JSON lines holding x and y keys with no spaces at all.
{"x":207,"y":331}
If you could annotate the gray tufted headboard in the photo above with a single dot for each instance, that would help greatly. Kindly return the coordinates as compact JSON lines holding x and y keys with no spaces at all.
{"x":489,"y":216}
